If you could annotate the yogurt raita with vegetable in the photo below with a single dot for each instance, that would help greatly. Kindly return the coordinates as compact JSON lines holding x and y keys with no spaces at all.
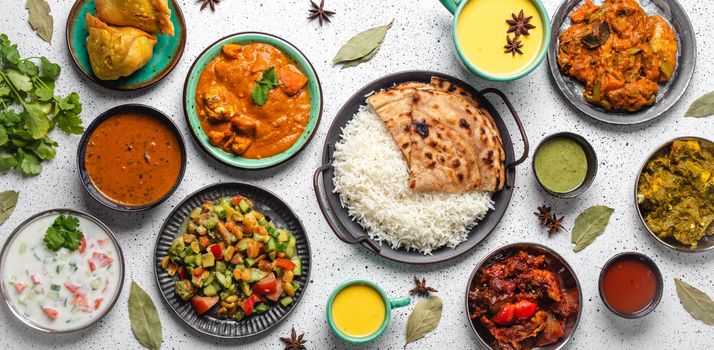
{"x":61,"y":272}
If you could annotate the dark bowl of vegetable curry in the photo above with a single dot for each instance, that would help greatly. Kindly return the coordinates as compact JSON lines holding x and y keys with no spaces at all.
{"x":674,"y":194}
{"x":131,"y":158}
{"x":252,"y":100}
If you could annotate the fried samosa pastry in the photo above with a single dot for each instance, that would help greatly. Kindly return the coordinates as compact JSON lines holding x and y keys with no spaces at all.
{"x":153,"y":16}
{"x":116,"y":52}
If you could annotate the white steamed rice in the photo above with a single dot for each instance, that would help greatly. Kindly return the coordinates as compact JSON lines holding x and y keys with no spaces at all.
{"x":371,"y":178}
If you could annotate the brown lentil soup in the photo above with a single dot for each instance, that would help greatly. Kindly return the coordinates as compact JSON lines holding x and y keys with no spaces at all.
{"x":133,"y":159}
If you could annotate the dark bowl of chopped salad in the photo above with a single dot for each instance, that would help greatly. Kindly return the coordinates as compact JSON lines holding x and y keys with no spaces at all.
{"x":232,"y":260}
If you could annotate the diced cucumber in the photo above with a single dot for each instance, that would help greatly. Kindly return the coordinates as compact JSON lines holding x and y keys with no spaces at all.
{"x":211,"y":277}
{"x":271,"y":255}
{"x":261,"y":308}
{"x":286,"y":301}
{"x":210,"y":290}
{"x":244,"y":206}
{"x":221,"y":278}
{"x":263,"y":222}
{"x":297,"y":271}
{"x":257,"y":275}
{"x":55,"y":287}
{"x":280,"y":247}
{"x":270,"y":247}
{"x":248,"y":262}
{"x":208,"y":260}
{"x":220,"y":266}
{"x":220,"y":211}
{"x":60,"y":267}
{"x":96,"y":283}
{"x":282,"y":235}
{"x":242,"y":244}
{"x":196,"y":213}
{"x":211,"y":222}
{"x":238,"y":315}
{"x":272,"y":230}
{"x":228,"y":208}
{"x":53,"y":295}
{"x":296,"y":286}
{"x":290,"y":250}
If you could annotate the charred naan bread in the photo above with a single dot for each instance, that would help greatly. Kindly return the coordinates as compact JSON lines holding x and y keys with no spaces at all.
{"x":450,"y":144}
{"x":153,"y":16}
{"x":116,"y":52}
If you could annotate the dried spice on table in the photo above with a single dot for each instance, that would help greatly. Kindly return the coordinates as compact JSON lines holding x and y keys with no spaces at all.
{"x":549,"y":220}
{"x":696,"y":302}
{"x":421,"y":288}
{"x":40,"y":18}
{"x":319,"y":12}
{"x":590,"y":224}
{"x":702,"y":107}
{"x":210,"y":3}
{"x":8,"y":201}
{"x":362,"y":47}
{"x":424,"y":318}
{"x":295,"y":342}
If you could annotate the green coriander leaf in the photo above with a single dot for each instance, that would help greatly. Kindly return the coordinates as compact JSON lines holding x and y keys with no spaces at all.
{"x":28,"y":68}
{"x":269,"y":77}
{"x":30,"y":164}
{"x":7,"y":161}
{"x":69,"y":123}
{"x":3,"y":136}
{"x":44,"y":93}
{"x":260,"y":94}
{"x":268,"y":81}
{"x":4,"y":89}
{"x":9,"y":117}
{"x":37,"y":122}
{"x":50,"y":71}
{"x":64,"y":232}
{"x":46,"y":149}
{"x":21,"y":81}
{"x":10,"y":54}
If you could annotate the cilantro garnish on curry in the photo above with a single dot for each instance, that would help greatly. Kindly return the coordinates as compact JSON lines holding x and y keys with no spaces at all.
{"x":252,"y":101}
{"x":234,"y":256}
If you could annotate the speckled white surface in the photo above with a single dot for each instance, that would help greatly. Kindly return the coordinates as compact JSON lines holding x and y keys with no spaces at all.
{"x":420,"y":39}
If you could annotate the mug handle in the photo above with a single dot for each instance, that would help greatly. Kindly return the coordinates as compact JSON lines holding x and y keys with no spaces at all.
{"x":451,"y":5}
{"x":399,"y":302}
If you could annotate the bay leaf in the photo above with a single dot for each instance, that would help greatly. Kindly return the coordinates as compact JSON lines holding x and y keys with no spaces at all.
{"x":8,"y":201}
{"x":362,"y":44}
{"x":702,"y":107}
{"x":40,"y":18}
{"x":424,"y":318}
{"x":696,"y":302}
{"x":357,"y":62}
{"x":589,"y":225}
{"x":144,"y":318}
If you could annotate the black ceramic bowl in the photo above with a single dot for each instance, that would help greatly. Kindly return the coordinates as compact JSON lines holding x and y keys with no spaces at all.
{"x":127,"y":108}
{"x":589,"y":154}
{"x":566,"y":277}
{"x":658,"y":277}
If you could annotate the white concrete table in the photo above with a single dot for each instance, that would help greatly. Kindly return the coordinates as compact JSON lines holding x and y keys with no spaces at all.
{"x":420,"y":39}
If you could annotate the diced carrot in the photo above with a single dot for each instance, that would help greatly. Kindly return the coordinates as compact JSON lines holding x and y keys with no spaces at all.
{"x":97,"y":303}
{"x":20,"y":287}
{"x":52,"y":313}
{"x":72,"y":287}
{"x":35,"y":278}
{"x":292,"y":79}
{"x":204,"y":241}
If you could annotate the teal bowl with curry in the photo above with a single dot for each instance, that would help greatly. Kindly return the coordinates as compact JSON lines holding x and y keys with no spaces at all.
{"x":166,"y":52}
{"x":252,"y":100}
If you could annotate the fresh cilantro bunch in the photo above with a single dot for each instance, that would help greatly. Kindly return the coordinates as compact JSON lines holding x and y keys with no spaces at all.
{"x":29,"y":110}
{"x":264,"y":85}
{"x":64,"y":232}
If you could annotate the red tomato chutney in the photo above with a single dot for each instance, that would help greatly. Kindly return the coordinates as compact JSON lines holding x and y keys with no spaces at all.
{"x":629,"y":285}
{"x":133,"y":159}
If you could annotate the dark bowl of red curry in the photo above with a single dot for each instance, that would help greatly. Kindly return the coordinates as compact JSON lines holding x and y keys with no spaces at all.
{"x":630,"y":285}
{"x":555,"y":263}
{"x":131,"y":158}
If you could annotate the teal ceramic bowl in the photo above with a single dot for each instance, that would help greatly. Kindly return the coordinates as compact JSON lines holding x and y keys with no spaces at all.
{"x":456,"y":6}
{"x":167,"y":52}
{"x":389,"y":303}
{"x":192,"y":118}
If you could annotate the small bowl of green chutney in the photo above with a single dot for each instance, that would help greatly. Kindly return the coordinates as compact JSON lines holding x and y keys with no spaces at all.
{"x":565,"y":164}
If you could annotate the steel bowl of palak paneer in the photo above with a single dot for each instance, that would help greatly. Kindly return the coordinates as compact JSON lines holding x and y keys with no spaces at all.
{"x":675,"y":194}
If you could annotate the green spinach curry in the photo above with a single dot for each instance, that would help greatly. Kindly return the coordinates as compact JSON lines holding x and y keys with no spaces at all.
{"x":676,"y":193}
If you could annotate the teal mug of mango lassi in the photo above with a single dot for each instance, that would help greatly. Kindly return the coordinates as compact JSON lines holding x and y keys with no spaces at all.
{"x":486,"y":47}
{"x":359,"y":311}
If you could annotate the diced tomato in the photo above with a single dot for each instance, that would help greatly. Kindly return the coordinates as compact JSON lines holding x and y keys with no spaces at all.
{"x":235,"y":201}
{"x":203,"y":304}
{"x":198,"y":271}
{"x":248,"y":304}
{"x":80,"y":301}
{"x":72,"y":287}
{"x":285,"y":264}
{"x":203,"y":241}
{"x":182,"y":273}
{"x":83,"y":245}
{"x":274,"y":296}
{"x":92,"y":266}
{"x":52,"y":313}
{"x":217,"y":251}
{"x":35,"y":279}
{"x":102,"y":260}
{"x":266,"y":286}
{"x":20,"y":287}
{"x":97,"y":303}
{"x":102,"y":242}
{"x":524,"y":310}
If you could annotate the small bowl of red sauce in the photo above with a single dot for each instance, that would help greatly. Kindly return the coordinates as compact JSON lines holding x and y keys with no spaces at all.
{"x":631,"y":285}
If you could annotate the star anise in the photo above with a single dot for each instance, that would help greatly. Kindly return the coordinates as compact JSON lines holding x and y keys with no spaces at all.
{"x":520,"y":24}
{"x":319,"y":12}
{"x":211,"y":3}
{"x":514,"y":46}
{"x":421,"y":288}
{"x":295,"y":342}
{"x":550,"y":220}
